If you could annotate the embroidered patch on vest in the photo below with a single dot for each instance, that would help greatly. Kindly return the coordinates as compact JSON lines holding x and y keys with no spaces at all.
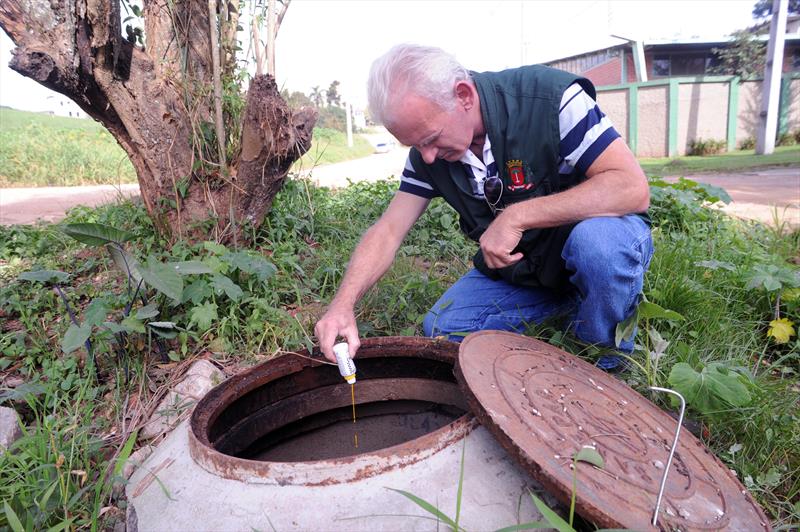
{"x":517,"y":176}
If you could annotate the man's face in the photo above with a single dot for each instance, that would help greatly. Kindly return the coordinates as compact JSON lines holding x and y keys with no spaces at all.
{"x":437,"y":133}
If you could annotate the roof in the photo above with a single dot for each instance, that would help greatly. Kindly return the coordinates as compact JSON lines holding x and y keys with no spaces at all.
{"x":691,"y":43}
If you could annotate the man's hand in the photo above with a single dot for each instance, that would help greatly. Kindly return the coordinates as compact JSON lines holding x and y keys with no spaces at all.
{"x":499,"y":240}
{"x":336,"y":322}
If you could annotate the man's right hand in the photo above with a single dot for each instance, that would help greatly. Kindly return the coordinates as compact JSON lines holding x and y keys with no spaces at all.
{"x":335,"y":323}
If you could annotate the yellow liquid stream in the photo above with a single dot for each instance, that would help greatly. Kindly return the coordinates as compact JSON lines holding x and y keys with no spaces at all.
{"x":353,"y":397}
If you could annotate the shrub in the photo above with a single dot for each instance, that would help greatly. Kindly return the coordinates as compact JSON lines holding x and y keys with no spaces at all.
{"x":699,"y":146}
{"x":786,"y":139}
{"x":748,"y":143}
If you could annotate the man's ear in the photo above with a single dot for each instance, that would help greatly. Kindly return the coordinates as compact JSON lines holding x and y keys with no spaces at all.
{"x":465,"y":94}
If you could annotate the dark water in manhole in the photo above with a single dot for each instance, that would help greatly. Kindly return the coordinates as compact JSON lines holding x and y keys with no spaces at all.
{"x":329,"y":434}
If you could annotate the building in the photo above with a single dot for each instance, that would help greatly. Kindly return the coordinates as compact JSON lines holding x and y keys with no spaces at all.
{"x":665,"y":58}
{"x":662,"y":95}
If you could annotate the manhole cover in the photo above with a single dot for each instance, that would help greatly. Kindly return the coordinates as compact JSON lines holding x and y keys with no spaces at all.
{"x":543,"y":404}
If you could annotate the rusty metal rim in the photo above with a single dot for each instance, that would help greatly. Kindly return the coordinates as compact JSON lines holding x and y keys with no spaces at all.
{"x":320,"y":472}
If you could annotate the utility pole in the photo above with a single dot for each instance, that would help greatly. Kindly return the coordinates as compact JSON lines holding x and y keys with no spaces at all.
{"x":770,"y":90}
{"x":349,"y":110}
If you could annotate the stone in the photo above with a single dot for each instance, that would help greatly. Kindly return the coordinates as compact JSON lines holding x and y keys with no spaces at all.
{"x":207,"y":370}
{"x":178,"y":404}
{"x":10,"y":430}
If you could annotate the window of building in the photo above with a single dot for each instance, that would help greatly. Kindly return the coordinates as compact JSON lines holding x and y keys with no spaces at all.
{"x":666,"y":65}
{"x":661,"y":65}
{"x":796,"y":59}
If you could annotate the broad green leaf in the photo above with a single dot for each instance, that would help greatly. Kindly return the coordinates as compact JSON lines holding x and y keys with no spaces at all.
{"x":428,"y":507}
{"x":711,"y":390}
{"x":13,"y":520}
{"x":163,"y":278}
{"x":590,"y":456}
{"x":132,"y":324}
{"x":191,"y":267}
{"x":553,"y":518}
{"x":781,"y":330}
{"x":115,"y":327}
{"x":713,"y":193}
{"x":125,"y":262}
{"x":254,"y":265}
{"x":716,"y":265}
{"x":772,"y":277}
{"x":625,"y":329}
{"x":649,"y":310}
{"x":224,"y":284}
{"x":216,"y":249}
{"x":96,"y":312}
{"x":197,"y":292}
{"x":75,"y":337}
{"x":44,"y":276}
{"x":162,"y":324}
{"x":164,"y":329}
{"x":96,"y":234}
{"x":204,"y":316}
{"x":148,"y":311}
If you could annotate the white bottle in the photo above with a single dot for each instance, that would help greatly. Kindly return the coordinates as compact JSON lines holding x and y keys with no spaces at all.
{"x":346,"y":366}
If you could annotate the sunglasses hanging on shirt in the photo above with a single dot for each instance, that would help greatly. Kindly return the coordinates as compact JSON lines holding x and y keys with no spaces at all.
{"x":493,"y":193}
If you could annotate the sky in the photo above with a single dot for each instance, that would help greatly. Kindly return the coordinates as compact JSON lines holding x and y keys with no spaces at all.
{"x":325,"y":40}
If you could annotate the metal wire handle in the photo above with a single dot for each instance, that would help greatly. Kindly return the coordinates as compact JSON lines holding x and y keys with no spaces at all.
{"x":672,"y":451}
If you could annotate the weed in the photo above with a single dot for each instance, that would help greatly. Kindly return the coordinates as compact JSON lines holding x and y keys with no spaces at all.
{"x":699,"y":146}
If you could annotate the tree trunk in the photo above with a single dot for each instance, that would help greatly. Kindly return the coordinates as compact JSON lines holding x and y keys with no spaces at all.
{"x":158,"y":103}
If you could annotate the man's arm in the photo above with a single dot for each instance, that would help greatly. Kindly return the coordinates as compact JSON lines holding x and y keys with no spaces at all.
{"x":371,"y":259}
{"x":616,"y":186}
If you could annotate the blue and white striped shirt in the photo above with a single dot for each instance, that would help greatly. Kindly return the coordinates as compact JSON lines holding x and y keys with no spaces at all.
{"x":584,"y":130}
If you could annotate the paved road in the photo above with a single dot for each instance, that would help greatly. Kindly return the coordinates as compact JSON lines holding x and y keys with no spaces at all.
{"x":757,"y":194}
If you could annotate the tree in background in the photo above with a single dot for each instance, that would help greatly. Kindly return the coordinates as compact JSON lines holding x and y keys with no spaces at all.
{"x":744,"y":57}
{"x":763,"y":8}
{"x":332,"y":95}
{"x":316,"y":96}
{"x":209,"y":157}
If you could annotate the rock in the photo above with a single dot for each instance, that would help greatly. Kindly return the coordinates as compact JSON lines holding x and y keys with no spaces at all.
{"x":10,"y":430}
{"x":207,"y":370}
{"x":136,"y":459}
{"x":178,"y":404}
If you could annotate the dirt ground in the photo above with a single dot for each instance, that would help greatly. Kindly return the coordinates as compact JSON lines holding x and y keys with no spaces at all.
{"x":757,"y":194}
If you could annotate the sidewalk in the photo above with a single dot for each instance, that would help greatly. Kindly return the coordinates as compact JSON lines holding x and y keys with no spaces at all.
{"x":759,"y":195}
{"x":50,"y":204}
{"x":756,"y":194}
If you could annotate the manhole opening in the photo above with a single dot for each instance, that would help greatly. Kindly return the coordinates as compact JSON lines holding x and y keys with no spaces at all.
{"x":306,"y":415}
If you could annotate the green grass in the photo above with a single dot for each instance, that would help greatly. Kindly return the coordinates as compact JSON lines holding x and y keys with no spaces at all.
{"x":308,"y":237}
{"x":330,"y":146}
{"x":42,"y":150}
{"x":734,"y":161}
{"x":38,"y":150}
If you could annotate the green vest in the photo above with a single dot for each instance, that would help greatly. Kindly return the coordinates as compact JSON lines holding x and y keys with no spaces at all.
{"x":520,"y":113}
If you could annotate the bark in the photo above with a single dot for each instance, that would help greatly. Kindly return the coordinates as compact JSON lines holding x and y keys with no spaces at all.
{"x":155,"y":102}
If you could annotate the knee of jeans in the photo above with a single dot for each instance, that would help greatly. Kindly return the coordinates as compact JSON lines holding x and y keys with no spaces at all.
{"x":439,"y":323}
{"x":428,"y":323}
{"x":600,"y":246}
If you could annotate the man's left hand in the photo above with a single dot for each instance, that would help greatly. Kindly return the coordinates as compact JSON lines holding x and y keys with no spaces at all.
{"x":499,"y":240}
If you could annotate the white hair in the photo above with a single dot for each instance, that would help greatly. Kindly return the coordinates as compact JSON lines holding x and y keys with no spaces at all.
{"x":426,"y":71}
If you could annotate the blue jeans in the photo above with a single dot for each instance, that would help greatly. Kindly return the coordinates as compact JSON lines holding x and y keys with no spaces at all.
{"x":608,"y":257}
